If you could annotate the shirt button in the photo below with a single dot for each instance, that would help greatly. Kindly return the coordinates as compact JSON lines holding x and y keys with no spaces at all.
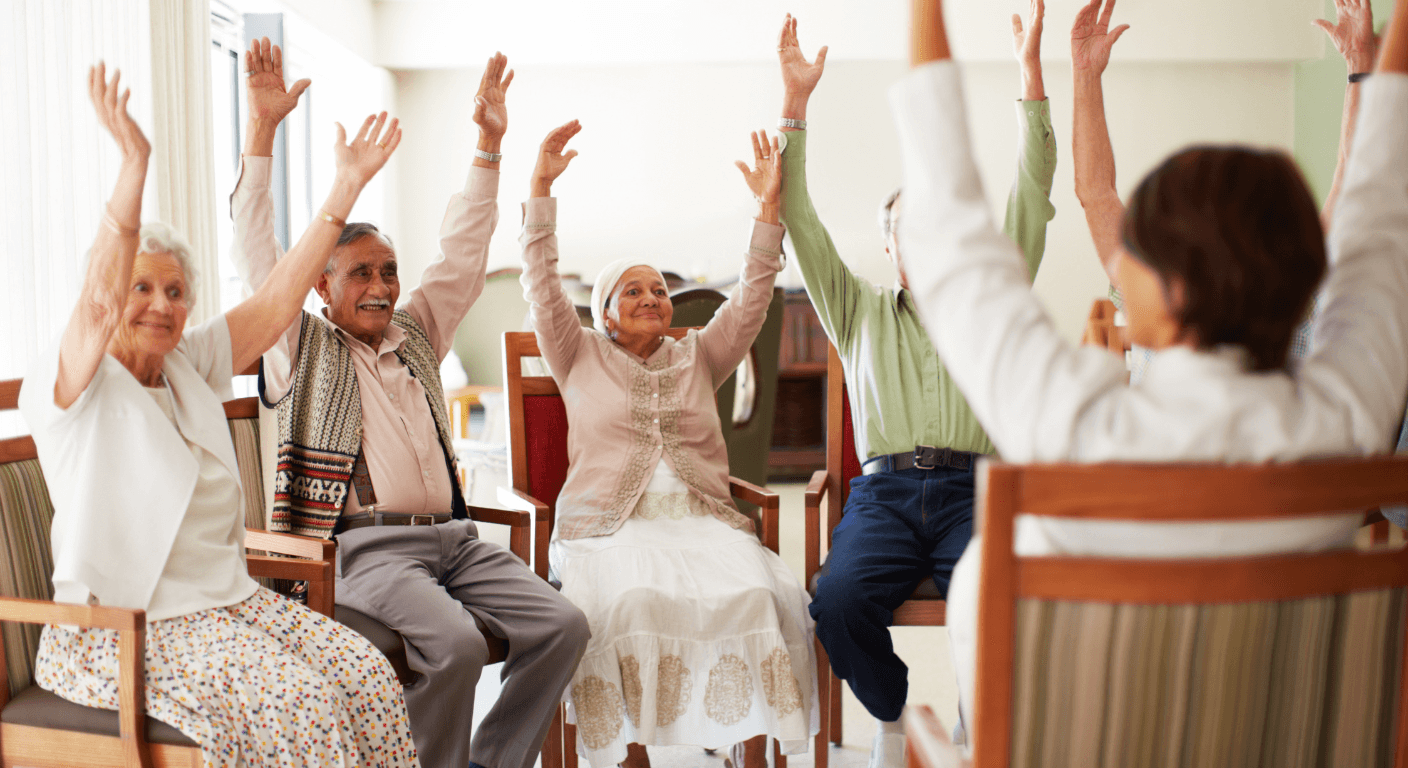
{"x":1031,"y":114}
{"x":391,"y":396}
{"x":657,"y":394}
{"x":657,"y":421}
{"x":425,"y":473}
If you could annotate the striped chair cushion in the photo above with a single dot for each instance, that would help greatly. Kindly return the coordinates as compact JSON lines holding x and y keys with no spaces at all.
{"x":1299,"y":683}
{"x":26,"y":562}
{"x":245,"y":434}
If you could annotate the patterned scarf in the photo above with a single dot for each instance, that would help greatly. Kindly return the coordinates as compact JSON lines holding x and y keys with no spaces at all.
{"x":320,"y":426}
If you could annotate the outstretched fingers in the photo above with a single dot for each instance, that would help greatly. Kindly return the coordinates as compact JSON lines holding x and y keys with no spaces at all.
{"x":508,"y":79}
{"x":1105,"y":15}
{"x":1115,"y":35}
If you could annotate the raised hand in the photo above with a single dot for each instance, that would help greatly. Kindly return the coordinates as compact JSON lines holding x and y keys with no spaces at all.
{"x":552,"y":161}
{"x":764,"y":179}
{"x":360,"y":159}
{"x":269,"y":101}
{"x":1092,"y":38}
{"x":799,"y":76}
{"x":490,"y":111}
{"x":111,"y":107}
{"x":1026,"y":44}
{"x":1353,"y":34}
{"x":1026,"y":41}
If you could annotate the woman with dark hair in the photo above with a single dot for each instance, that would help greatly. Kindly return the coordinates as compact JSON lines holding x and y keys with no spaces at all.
{"x":1222,"y":249}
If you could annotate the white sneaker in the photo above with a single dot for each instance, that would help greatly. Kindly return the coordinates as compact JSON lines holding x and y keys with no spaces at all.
{"x":887,"y":751}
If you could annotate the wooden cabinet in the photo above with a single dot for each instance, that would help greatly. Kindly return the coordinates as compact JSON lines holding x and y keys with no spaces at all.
{"x":799,"y":427}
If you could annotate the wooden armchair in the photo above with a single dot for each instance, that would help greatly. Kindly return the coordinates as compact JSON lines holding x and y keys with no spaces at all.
{"x":538,"y":462}
{"x":39,"y":729}
{"x":832,"y":486}
{"x":1295,"y":659}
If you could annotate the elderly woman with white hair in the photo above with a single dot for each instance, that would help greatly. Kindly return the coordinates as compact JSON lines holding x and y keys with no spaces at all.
{"x":700,"y":635}
{"x":126,"y":414}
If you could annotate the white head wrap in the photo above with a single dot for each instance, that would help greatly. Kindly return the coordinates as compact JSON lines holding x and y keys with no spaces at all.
{"x":605,"y":286}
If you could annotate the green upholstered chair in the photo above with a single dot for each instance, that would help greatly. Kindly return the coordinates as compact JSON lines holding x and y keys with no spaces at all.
{"x":39,"y":729}
{"x":1284,"y":660}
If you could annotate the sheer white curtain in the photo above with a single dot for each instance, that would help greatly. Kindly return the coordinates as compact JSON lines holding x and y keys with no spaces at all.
{"x":59,"y":168}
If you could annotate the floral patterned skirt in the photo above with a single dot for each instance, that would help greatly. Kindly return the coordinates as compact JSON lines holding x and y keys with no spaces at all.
{"x":700,"y":636}
{"x":265,"y":682}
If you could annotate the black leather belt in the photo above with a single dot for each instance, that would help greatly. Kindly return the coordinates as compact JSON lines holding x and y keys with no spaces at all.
{"x":922,"y":457}
{"x":389,"y":518}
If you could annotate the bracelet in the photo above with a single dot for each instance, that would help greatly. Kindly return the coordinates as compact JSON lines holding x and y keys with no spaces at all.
{"x":331,"y":219}
{"x":787,"y":122}
{"x":1359,"y":77}
{"x":492,"y":157}
{"x":116,"y":226}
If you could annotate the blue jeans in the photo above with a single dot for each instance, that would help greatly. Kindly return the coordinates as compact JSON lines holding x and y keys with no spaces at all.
{"x":898,"y":529}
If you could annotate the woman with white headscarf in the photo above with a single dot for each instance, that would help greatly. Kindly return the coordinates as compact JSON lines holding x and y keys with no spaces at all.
{"x":700,"y":635}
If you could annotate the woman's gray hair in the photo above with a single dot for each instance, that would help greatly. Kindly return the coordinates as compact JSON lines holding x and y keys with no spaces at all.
{"x":887,"y":213}
{"x":156,"y":237}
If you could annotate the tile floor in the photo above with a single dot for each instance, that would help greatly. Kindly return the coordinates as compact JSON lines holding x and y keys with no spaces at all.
{"x":924,"y":649}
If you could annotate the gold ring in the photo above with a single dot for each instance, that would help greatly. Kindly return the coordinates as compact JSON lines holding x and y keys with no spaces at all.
{"x":379,"y":144}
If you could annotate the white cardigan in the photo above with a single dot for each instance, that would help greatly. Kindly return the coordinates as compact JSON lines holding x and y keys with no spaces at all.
{"x":121,"y":478}
{"x":1042,"y":399}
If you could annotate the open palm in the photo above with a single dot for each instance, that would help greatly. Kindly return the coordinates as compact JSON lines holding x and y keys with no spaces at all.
{"x":490,"y":107}
{"x":267,"y":96}
{"x":1353,"y":33}
{"x":799,"y":76}
{"x":1091,"y":36}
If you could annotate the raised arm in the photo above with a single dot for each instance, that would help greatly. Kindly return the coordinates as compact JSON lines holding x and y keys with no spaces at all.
{"x":453,"y":281}
{"x":834,"y":290}
{"x":1091,"y":42}
{"x":256,"y":323}
{"x":725,"y":341}
{"x":107,"y":283}
{"x":1353,"y":36}
{"x":551,"y":311}
{"x":1360,"y":332}
{"x":1029,"y":207}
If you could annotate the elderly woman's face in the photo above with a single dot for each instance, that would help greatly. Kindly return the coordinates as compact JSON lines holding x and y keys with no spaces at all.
{"x":640,"y":305}
{"x":157,"y":306}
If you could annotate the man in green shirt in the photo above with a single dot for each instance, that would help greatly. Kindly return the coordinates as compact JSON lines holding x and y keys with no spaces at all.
{"x":910,"y":515}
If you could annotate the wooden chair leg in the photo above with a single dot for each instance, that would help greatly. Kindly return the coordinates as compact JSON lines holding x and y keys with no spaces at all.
{"x":552,"y":745}
{"x":835,"y":708}
{"x":822,"y":748}
{"x":779,"y":760}
{"x":569,"y":742}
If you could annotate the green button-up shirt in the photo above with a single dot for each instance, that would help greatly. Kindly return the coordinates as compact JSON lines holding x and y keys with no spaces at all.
{"x":901,"y":394}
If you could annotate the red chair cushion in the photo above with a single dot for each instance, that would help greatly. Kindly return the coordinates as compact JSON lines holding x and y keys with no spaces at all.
{"x":545,"y":438}
{"x":850,"y":463}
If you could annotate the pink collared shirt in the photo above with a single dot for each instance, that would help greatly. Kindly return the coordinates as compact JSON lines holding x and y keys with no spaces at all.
{"x":399,"y":441}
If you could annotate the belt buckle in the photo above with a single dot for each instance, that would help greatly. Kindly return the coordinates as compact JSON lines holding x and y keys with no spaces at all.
{"x":428,"y":519}
{"x":923,"y":453}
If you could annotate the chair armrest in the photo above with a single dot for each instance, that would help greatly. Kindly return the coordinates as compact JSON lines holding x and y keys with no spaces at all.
{"x":767,"y":501}
{"x":926,"y":744}
{"x":815,"y":493}
{"x":519,"y":520}
{"x":753,"y":494}
{"x":315,"y":565}
{"x":131,"y":626}
{"x":89,"y":616}
{"x":542,"y":515}
{"x":288,"y":544}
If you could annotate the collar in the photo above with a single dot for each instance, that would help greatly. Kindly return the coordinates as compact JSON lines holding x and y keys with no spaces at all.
{"x":391,"y":339}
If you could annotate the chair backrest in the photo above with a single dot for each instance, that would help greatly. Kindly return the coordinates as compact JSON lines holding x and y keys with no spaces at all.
{"x":750,"y":440}
{"x":242,"y":414}
{"x":26,"y":560}
{"x":842,"y":463}
{"x":501,"y":307}
{"x":1293,"y":659}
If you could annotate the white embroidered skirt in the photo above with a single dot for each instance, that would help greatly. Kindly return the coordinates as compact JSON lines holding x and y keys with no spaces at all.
{"x":700,"y":635}
{"x":265,"y":682}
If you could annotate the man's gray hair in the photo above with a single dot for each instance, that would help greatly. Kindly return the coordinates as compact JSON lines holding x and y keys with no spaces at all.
{"x":887,"y":213}
{"x":353,"y":232}
{"x":156,"y":237}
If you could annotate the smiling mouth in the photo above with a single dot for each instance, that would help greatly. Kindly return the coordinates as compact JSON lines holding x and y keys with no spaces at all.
{"x":375,"y":307}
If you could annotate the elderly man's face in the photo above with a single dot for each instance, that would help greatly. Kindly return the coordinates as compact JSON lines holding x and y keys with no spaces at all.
{"x":362,"y":288}
{"x":157,"y":305}
{"x":641,"y":305}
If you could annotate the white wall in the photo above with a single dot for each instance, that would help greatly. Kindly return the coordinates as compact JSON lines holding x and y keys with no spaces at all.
{"x":655,"y":173}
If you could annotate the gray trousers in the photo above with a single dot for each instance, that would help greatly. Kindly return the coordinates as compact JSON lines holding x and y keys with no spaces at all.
{"x":424,"y":582}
